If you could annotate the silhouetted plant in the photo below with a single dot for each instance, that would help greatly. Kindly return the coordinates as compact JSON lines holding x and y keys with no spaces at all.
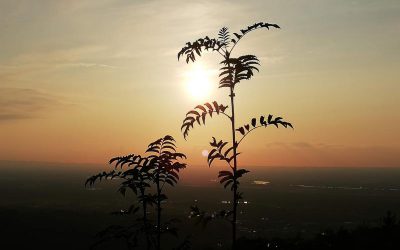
{"x":137,"y":178}
{"x":160,"y":166}
{"x":233,"y":71}
{"x":165,"y":164}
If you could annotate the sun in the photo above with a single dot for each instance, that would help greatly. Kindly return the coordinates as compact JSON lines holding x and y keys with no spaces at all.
{"x":198,"y":84}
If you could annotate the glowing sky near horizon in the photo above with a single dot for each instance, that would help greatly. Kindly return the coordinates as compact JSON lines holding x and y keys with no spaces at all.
{"x":82,"y":81}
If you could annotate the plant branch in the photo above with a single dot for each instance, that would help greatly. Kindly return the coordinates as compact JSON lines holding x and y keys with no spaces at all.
{"x":220,"y":52}
{"x":251,"y":28}
{"x":249,"y":133}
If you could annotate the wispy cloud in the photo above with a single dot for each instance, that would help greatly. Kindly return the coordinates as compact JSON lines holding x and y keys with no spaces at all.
{"x":89,"y":65}
{"x":24,"y":103}
{"x":36,"y":66}
{"x":321,"y":154}
{"x":302,"y":144}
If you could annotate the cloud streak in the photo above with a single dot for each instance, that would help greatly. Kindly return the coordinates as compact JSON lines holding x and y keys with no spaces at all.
{"x":321,"y":154}
{"x":25,"y":103}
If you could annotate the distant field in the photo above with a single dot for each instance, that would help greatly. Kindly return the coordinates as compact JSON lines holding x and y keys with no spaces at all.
{"x":47,"y":205}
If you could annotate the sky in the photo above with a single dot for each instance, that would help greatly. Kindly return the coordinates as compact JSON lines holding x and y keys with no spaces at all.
{"x":83,"y":81}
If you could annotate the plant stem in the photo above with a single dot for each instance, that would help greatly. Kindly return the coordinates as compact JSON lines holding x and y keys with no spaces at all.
{"x":158,"y":213}
{"x":232,"y":95}
{"x":235,"y":186}
{"x":144,"y":207}
{"x":145,"y":224}
{"x":159,"y":198}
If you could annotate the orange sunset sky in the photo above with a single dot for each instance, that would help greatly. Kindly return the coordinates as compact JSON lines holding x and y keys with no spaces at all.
{"x":82,"y":81}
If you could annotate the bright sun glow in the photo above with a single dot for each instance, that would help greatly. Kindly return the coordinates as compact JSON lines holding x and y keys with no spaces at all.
{"x":198,"y":82}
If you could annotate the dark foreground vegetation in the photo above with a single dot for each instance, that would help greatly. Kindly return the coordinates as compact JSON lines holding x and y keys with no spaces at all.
{"x":384,"y":236}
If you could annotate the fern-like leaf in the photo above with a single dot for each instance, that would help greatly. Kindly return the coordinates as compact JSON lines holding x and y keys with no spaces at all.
{"x":251,"y":28}
{"x":220,"y":151}
{"x":199,"y":114}
{"x":164,"y":161}
{"x":237,"y":69}
{"x":100,"y":176}
{"x":223,"y":37}
{"x":262,"y":122}
{"x":198,"y":46}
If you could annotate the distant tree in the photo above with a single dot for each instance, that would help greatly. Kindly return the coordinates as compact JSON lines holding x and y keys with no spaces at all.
{"x":233,"y":71}
{"x":160,"y":166}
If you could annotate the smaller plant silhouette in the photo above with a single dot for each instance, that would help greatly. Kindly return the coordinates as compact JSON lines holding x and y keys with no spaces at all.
{"x":165,"y":165}
{"x":160,"y":166}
